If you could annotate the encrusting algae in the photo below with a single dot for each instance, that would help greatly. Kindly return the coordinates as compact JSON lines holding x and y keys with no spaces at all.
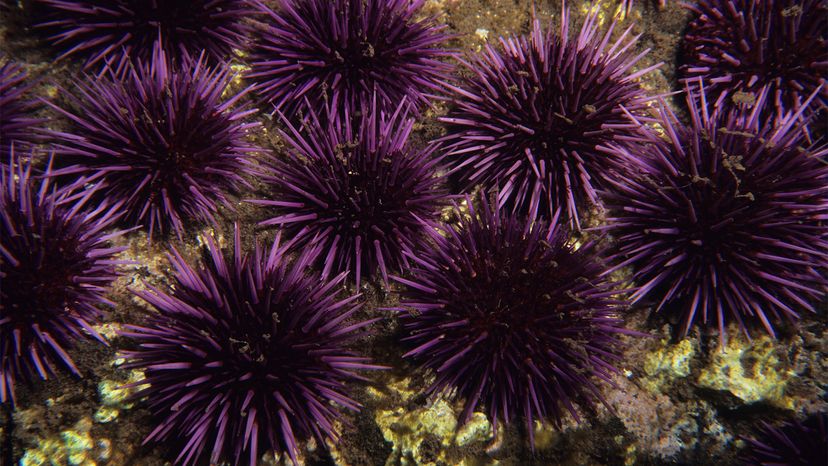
{"x":423,"y":436}
{"x":751,"y":371}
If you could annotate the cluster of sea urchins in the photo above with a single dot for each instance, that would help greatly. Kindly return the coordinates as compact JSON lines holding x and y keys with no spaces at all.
{"x":720,"y":220}
{"x":56,"y":262}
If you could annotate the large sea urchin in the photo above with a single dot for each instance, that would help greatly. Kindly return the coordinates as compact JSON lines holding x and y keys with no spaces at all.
{"x":159,"y":136}
{"x":247,"y":355}
{"x":510,"y":314}
{"x":741,"y":46}
{"x":100,"y":29}
{"x":55,"y":264}
{"x":725,"y":220}
{"x":795,"y":443}
{"x":530,"y":116}
{"x":17,"y":125}
{"x":342,"y":52}
{"x":356,"y":185}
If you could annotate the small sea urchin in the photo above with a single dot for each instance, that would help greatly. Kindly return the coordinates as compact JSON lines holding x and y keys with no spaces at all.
{"x":246,"y":356}
{"x":795,"y":443}
{"x":159,"y":136}
{"x":356,"y":186}
{"x":16,"y":121}
{"x":342,"y":52}
{"x":741,"y":46}
{"x":101,"y":29}
{"x":530,"y":117}
{"x":55,"y":264}
{"x":725,"y":218}
{"x":510,"y":314}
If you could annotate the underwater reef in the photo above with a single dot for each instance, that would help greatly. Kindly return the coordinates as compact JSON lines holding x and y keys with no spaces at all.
{"x":413,"y":232}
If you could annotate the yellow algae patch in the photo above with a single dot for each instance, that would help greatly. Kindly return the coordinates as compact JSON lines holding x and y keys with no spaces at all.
{"x":667,"y":363}
{"x":750,"y":371}
{"x":478,"y":429}
{"x":74,"y":447}
{"x":545,"y":435}
{"x":423,"y":436}
{"x":114,"y":396}
{"x":108,"y":330}
{"x":409,"y":431}
{"x":236,"y":79}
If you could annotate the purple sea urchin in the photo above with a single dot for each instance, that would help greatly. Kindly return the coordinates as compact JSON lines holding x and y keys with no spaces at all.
{"x":343,"y":52}
{"x":16,"y":121}
{"x":510,"y":314}
{"x":55,"y":264}
{"x":358,"y":187}
{"x":246,"y":356}
{"x":531,"y":115}
{"x":741,"y":46}
{"x":100,"y":29}
{"x":726,"y":218}
{"x":792,"y":444}
{"x":160,"y":137}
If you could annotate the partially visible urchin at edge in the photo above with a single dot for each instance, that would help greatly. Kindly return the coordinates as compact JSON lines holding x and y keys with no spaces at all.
{"x":738,"y":47}
{"x":723,"y":220}
{"x":167,"y":137}
{"x":511,"y":315}
{"x":340,"y":53}
{"x":56,"y":263}
{"x":534,"y":111}
{"x":106,"y":31}
{"x":793,"y":443}
{"x":247,"y":354}
{"x":18,"y":125}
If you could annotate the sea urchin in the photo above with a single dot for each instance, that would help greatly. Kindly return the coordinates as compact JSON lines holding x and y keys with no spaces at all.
{"x":17,"y":125}
{"x":531,"y":115}
{"x":741,"y":46}
{"x":161,"y":137}
{"x":724,"y":219}
{"x":246,"y":356}
{"x":55,"y":265}
{"x":342,"y":52}
{"x":797,"y":443}
{"x":357,"y":186}
{"x":511,"y":314}
{"x":101,"y":29}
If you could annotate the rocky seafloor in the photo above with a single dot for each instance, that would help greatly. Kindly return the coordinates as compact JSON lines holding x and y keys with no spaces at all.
{"x":676,"y":401}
